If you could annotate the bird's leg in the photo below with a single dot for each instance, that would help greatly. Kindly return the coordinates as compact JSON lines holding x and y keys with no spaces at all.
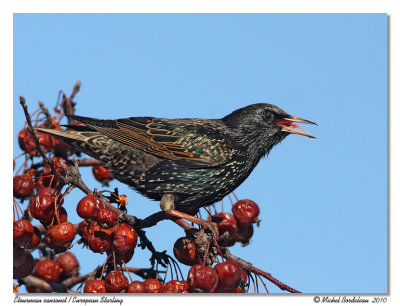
{"x":167,"y":202}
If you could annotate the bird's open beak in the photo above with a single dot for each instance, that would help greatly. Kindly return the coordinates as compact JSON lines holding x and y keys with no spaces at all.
{"x":288,"y":125}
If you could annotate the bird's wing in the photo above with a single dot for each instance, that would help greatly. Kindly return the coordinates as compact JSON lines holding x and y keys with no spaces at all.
{"x":190,"y":142}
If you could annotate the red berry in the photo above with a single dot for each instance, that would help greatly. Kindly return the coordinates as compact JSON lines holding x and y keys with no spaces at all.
{"x":27,"y":142}
{"x":245,"y":212}
{"x":137,"y":287}
{"x":202,"y":279}
{"x":95,"y":286}
{"x":23,"y":186}
{"x":58,"y":162}
{"x":62,"y":216}
{"x":228,"y":243}
{"x":51,"y":192}
{"x":99,"y":242}
{"x":42,"y":206}
{"x":241,"y":288}
{"x":36,"y":238}
{"x":102,"y":174}
{"x":229,"y":274}
{"x":153,"y":286}
{"x":46,"y":177}
{"x":48,"y":270}
{"x":69,"y":264}
{"x":43,"y":182}
{"x":62,"y":234}
{"x":22,"y":232}
{"x":106,"y":218}
{"x":228,"y":224}
{"x":86,"y":229}
{"x":185,"y":252}
{"x":88,"y":207}
{"x":50,"y":243}
{"x":175,"y":286}
{"x":244,"y":234}
{"x":23,"y":263}
{"x":116,"y":282}
{"x":124,"y":239}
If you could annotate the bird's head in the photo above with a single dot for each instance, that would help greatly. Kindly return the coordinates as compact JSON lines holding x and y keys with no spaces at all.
{"x":263,"y":125}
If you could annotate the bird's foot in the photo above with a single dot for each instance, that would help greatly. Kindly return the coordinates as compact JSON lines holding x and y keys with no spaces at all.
{"x":207,"y":225}
{"x":167,"y":202}
{"x":167,"y":205}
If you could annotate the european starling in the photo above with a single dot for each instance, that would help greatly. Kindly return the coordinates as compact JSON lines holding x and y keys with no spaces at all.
{"x":184,"y":163}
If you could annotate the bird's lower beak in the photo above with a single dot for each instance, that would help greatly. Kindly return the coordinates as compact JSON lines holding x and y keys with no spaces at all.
{"x":288,"y":125}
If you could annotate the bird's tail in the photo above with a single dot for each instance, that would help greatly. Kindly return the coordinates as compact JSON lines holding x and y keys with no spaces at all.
{"x":64,"y":134}
{"x":90,"y":142}
{"x":115,"y":155}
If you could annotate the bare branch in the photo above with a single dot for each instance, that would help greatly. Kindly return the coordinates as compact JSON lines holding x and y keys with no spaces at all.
{"x":44,"y":285}
{"x":72,"y":281}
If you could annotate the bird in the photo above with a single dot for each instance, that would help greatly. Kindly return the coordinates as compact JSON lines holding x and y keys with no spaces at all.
{"x":185,"y":164}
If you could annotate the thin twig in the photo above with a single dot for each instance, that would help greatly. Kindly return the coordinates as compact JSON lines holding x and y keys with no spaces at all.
{"x":45,"y":111}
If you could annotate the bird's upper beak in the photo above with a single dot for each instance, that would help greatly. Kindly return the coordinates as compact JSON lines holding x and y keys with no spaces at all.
{"x":288,"y":125}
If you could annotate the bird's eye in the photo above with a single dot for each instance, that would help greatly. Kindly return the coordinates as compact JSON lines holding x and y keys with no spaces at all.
{"x":268,"y":117}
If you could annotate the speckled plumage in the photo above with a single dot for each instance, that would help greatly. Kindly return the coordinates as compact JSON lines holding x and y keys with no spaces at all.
{"x":199,"y":161}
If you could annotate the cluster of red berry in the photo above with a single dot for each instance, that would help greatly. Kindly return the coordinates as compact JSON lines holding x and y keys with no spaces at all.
{"x":101,"y":231}
{"x":63,"y":267}
{"x":239,"y":224}
{"x":117,"y":282}
{"x":225,"y":277}
{"x":41,"y":187}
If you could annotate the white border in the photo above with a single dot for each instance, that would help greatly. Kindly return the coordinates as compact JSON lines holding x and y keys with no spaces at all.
{"x":7,"y":8}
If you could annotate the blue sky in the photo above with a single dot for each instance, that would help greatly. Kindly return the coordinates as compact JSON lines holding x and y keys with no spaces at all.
{"x":323,"y":201}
